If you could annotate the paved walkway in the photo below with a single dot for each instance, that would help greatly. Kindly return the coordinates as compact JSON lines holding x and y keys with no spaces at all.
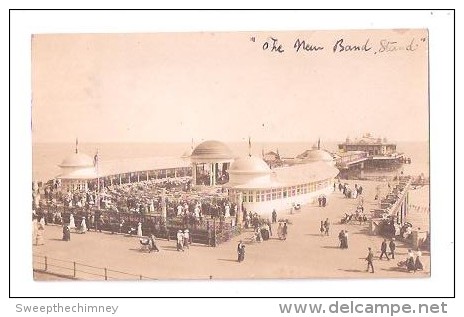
{"x":305,"y":253}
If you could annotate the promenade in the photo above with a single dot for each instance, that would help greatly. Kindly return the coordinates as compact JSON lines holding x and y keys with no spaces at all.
{"x":305,"y":253}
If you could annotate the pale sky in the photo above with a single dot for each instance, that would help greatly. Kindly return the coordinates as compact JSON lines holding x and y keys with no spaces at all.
{"x":172,"y":87}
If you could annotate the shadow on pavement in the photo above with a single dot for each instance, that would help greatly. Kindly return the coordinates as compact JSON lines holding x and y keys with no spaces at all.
{"x":227,"y":260}
{"x":352,"y":271}
{"x":170,"y":248}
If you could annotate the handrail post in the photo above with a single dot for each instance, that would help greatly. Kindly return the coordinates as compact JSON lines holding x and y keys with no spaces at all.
{"x":214,"y":232}
{"x":46,"y":263}
{"x":74,"y":267}
{"x":106,"y":274}
{"x":140,"y":277}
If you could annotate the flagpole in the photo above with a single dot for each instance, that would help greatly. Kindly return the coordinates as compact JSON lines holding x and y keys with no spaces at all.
{"x":249,"y":146}
{"x":98,"y":181}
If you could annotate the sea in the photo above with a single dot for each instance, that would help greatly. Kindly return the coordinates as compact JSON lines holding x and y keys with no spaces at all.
{"x":47,"y":156}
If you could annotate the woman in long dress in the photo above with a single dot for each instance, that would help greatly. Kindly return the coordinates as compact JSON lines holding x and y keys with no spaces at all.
{"x":72,"y":225}
{"x":139,"y":229}
{"x":418,"y":263}
{"x":410,"y":262}
{"x":279,"y":231}
{"x":66,"y":233}
{"x":83,"y":226}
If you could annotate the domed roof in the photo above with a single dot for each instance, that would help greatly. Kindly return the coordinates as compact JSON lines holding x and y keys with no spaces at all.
{"x":250,"y":165}
{"x":77,"y":160}
{"x":187,"y":153}
{"x":316,"y":155}
{"x":211,"y":150}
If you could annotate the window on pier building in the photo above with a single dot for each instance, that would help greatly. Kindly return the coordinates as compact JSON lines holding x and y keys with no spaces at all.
{"x":305,"y":188}
{"x":285,"y":192}
{"x":268,"y":195}
{"x":279,"y":193}
{"x":250,"y":196}
{"x":258,"y":196}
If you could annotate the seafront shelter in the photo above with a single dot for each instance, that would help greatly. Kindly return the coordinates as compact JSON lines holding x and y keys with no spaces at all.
{"x":263,"y":190}
{"x":314,"y":155}
{"x":79,"y":172}
{"x":210,"y":163}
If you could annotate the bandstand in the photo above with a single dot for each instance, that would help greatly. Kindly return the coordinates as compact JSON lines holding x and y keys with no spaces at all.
{"x":210,"y":162}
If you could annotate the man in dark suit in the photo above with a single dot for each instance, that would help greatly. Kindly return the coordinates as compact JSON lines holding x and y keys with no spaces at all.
{"x":383,"y":249}
{"x":392,"y":246}
{"x":369,"y":259}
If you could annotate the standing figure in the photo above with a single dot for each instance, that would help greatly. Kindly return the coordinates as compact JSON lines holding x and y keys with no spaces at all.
{"x":153,"y":246}
{"x":239,"y":251}
{"x":392,"y":246}
{"x":242,"y":253}
{"x":341,"y":238}
{"x":327,"y":226}
{"x":72,"y":225}
{"x":39,"y":238}
{"x":227,"y":211}
{"x":370,"y":259}
{"x":322,"y":228}
{"x":259,"y":236}
{"x":418,"y":263}
{"x":383,"y":249}
{"x":139,"y":230}
{"x":284,"y":231}
{"x":180,"y":241}
{"x":186,"y":238}
{"x":279,"y":231}
{"x":83,"y":226}
{"x":274,"y":216}
{"x":410,"y":264}
{"x":66,"y":233}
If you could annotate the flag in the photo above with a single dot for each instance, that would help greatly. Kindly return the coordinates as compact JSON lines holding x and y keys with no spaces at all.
{"x":249,"y":146}
{"x":95,"y":159}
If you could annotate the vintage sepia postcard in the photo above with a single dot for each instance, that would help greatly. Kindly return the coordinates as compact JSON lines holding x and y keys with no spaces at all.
{"x":231,"y":155}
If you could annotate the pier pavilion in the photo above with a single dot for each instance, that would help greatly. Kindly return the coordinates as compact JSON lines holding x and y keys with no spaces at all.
{"x":262,"y":190}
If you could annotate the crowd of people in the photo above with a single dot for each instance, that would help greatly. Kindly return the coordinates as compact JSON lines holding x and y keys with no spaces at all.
{"x":348,"y":192}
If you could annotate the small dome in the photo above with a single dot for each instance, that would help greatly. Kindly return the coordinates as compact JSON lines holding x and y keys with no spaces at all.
{"x":77,"y":160}
{"x":316,"y":155}
{"x":250,"y":165}
{"x":187,"y":153}
{"x":211,"y":150}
